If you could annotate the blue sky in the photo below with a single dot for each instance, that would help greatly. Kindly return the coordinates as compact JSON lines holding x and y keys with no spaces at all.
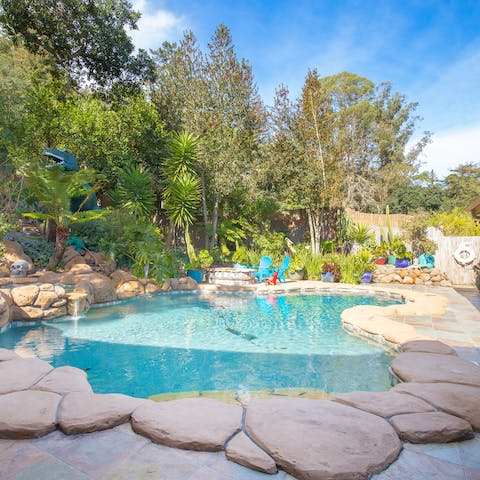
{"x":429,"y":50}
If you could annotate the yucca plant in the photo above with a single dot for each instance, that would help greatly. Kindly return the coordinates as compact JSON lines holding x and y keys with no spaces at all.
{"x":182,"y":193}
{"x":134,"y":192}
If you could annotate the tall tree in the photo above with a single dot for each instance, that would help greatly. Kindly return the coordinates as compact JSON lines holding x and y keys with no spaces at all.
{"x":214,"y":97}
{"x":462,"y":185}
{"x":87,"y":39}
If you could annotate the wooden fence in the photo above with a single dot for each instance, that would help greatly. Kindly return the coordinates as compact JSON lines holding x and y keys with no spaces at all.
{"x":446,"y":246}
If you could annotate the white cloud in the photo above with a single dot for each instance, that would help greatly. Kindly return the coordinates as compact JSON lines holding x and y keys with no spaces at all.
{"x":155,"y":26}
{"x":452,"y":148}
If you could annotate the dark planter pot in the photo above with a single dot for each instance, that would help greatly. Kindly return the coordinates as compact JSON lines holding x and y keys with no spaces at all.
{"x":297,"y":275}
{"x":391,"y":259}
{"x":327,"y":277}
{"x":197,"y":275}
{"x":403,"y":262}
{"x":381,"y":261}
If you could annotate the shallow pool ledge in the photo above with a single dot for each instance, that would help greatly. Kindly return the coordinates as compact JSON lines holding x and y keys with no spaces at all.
{"x":385,"y":325}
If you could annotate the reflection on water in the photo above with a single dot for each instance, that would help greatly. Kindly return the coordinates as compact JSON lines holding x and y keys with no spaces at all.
{"x":175,"y":343}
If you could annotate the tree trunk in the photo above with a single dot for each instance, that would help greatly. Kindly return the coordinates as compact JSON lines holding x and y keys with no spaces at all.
{"x":204,"y":209}
{"x":313,"y":227}
{"x":60,"y":245}
{"x":213,"y":243}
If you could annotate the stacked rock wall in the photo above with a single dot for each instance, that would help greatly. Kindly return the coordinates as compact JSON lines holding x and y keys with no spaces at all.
{"x":411,"y":275}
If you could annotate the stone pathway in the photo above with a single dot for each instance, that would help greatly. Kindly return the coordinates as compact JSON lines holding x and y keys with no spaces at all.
{"x":354,"y":436}
{"x":120,"y":454}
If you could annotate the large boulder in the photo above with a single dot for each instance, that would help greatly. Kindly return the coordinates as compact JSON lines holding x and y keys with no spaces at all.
{"x":26,"y":313}
{"x":14,"y":252}
{"x":191,"y":423}
{"x":432,"y":368}
{"x":460,"y":400}
{"x":103,"y":288}
{"x":21,"y":374}
{"x":28,"y":414}
{"x":99,"y":262}
{"x":86,"y":412}
{"x":322,"y":440}
{"x":127,"y":285}
{"x":431,"y":427}
{"x":25,"y":296}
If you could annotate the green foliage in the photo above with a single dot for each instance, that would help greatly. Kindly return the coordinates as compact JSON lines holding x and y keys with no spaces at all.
{"x":416,"y":233}
{"x":456,"y":223}
{"x":361,"y":234}
{"x":354,"y":266}
{"x":90,"y":232}
{"x":462,"y":186}
{"x":240,"y":255}
{"x":202,"y":259}
{"x":334,"y":268}
{"x":328,"y":246}
{"x":38,"y":250}
{"x":80,"y":37}
{"x":137,"y":245}
{"x":134,"y":192}
{"x":272,"y":244}
{"x":313,"y":266}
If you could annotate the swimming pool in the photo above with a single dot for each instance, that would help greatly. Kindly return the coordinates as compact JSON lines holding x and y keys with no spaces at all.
{"x":187,"y":342}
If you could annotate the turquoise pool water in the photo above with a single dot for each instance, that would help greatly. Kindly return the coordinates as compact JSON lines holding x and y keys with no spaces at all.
{"x":184,"y":342}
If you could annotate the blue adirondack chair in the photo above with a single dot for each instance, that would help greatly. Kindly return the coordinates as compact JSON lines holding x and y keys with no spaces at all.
{"x":283,"y":269}
{"x":263,"y":269}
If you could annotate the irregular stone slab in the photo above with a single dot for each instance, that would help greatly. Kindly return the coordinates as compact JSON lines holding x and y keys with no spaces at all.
{"x":459,"y":400}
{"x":6,"y":355}
{"x":432,"y":368}
{"x":322,"y":440}
{"x":64,"y":380}
{"x":431,"y":427}
{"x":21,"y":374}
{"x":243,"y":451}
{"x":428,"y":346}
{"x":86,"y":412}
{"x":28,"y":414}
{"x":384,"y":404}
{"x":191,"y":423}
{"x":4,"y":309}
{"x":24,"y":296}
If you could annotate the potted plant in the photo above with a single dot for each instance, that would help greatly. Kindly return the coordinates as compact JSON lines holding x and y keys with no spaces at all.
{"x":381,"y":254}
{"x":331,"y":272}
{"x":198,"y":262}
{"x":403,"y":258}
{"x":297,"y":268}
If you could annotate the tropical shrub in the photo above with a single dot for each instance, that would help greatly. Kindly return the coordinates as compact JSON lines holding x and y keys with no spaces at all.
{"x":272,"y":244}
{"x":334,"y":268}
{"x":416,"y":233}
{"x":456,"y":223}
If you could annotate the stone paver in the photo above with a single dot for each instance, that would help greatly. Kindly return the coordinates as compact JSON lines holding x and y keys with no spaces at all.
{"x":64,"y":380}
{"x":84,"y":412}
{"x":431,"y":427}
{"x":21,"y":374}
{"x":321,"y":439}
{"x":428,"y":346}
{"x":6,"y":355}
{"x":385,"y":404}
{"x":460,"y":400}
{"x":191,"y":423}
{"x":28,"y":414}
{"x":243,"y":451}
{"x":432,"y":368}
